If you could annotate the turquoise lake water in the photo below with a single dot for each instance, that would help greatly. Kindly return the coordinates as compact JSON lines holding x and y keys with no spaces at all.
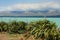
{"x":8,"y":19}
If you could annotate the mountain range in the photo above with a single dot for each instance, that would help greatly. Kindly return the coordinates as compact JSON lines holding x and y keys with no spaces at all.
{"x":32,"y":12}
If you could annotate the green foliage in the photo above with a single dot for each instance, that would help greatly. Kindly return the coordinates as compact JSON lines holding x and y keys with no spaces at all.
{"x":3,"y":26}
{"x":43,"y":29}
{"x":17,"y":27}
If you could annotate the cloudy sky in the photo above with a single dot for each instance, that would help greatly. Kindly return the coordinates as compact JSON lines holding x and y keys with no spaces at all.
{"x":10,"y":5}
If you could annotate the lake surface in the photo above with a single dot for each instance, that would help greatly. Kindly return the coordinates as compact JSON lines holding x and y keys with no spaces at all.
{"x":28,"y":19}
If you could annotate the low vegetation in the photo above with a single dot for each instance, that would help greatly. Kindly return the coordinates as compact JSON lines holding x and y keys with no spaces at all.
{"x":42,"y":29}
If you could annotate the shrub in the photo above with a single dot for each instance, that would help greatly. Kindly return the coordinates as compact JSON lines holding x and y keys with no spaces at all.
{"x":3,"y":26}
{"x":41,"y":29}
{"x":17,"y":27}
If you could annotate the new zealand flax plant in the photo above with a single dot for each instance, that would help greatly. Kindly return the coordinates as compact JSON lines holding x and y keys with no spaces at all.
{"x":3,"y":26}
{"x":44,"y":29}
{"x":17,"y":27}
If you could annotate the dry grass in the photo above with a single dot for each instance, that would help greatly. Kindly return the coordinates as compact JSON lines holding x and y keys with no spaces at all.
{"x":6,"y":36}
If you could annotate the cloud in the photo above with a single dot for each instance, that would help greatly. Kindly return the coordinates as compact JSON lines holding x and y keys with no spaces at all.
{"x":31,"y":6}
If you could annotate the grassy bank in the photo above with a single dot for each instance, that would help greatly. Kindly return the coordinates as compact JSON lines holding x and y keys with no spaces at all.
{"x":38,"y":30}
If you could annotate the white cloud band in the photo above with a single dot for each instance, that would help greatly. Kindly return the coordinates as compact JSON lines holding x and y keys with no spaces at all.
{"x":31,"y":6}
